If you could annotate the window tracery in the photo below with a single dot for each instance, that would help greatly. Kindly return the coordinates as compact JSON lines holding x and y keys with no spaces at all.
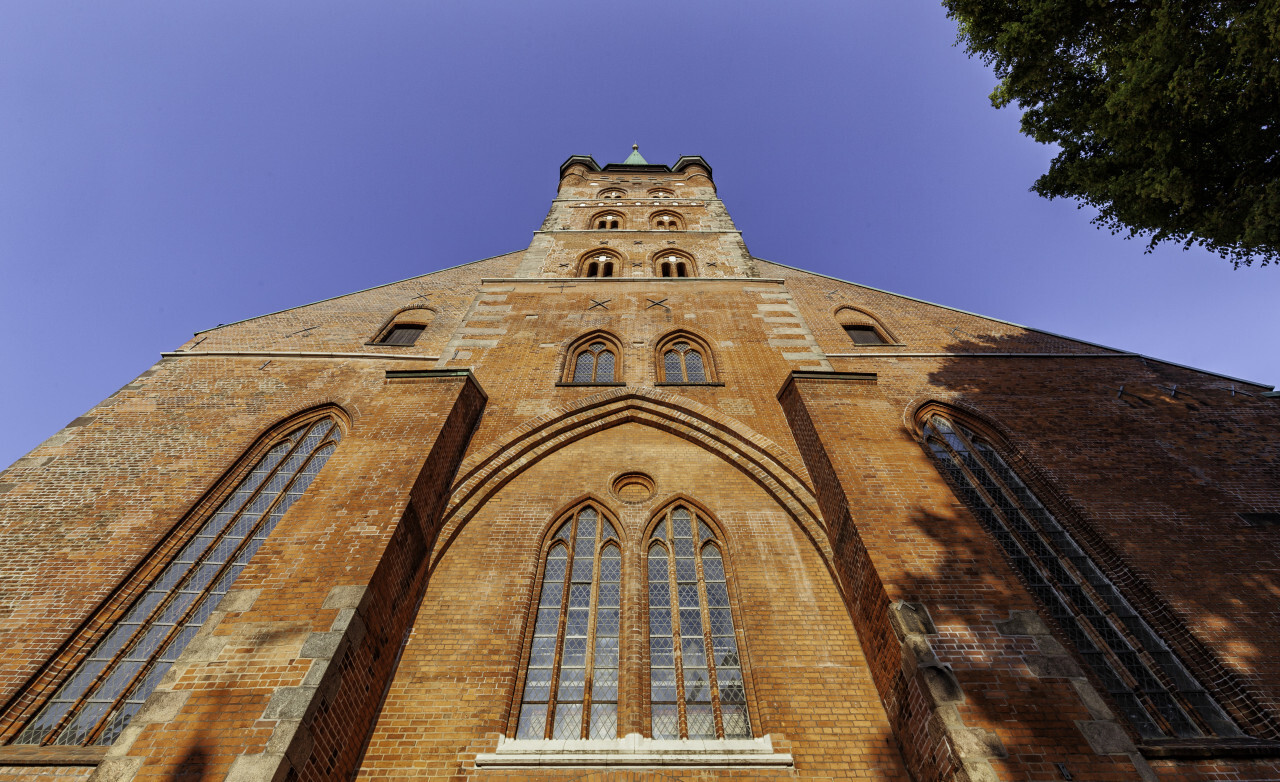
{"x":594,"y":362}
{"x":1144,"y":678}
{"x":109,"y":686}
{"x":571,"y":681}
{"x":695,"y":671}
{"x":685,"y":360}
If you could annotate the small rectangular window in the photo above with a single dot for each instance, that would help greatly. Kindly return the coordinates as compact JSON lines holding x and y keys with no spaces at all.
{"x":864,"y":335}
{"x":402,"y":335}
{"x":1261,"y":519}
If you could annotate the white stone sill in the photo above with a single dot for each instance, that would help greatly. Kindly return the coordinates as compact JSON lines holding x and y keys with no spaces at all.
{"x":635,"y":750}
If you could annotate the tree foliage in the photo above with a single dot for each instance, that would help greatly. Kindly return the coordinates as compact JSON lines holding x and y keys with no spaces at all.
{"x":1166,"y":112}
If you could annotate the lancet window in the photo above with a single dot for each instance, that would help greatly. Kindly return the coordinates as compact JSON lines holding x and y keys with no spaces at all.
{"x":695,"y":672}
{"x":109,"y":686}
{"x":571,"y":683}
{"x":1141,"y":674}
{"x":594,"y":363}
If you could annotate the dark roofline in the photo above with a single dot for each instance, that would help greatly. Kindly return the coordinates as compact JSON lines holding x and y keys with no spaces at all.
{"x":684,"y":162}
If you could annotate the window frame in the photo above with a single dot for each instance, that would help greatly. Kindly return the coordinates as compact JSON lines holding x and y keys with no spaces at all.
{"x":612,"y":262}
{"x":550,"y":541}
{"x":1010,"y":461}
{"x":582,"y":344}
{"x":697,"y":343}
{"x":155,"y":564}
{"x":719,"y":541}
{"x":848,"y":316}
{"x":405,"y":316}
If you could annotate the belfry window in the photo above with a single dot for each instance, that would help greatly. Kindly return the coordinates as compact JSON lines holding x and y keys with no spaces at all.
{"x":599,"y":266}
{"x":571,"y":683}
{"x":609,"y":222}
{"x":594,"y":364}
{"x":682,"y":363}
{"x":109,"y":686}
{"x":1144,"y":678}
{"x":695,"y":673}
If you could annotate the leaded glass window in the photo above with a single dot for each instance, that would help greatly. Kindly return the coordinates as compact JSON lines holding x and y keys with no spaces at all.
{"x":109,"y":686}
{"x":571,"y":684}
{"x":695,"y":673}
{"x":1141,"y":674}
{"x":682,"y":363}
{"x":594,"y":364}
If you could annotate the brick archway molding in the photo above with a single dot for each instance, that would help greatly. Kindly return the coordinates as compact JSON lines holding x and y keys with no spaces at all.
{"x":484,"y":473}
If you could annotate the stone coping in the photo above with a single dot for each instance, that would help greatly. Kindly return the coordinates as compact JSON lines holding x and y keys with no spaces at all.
{"x":634,"y":750}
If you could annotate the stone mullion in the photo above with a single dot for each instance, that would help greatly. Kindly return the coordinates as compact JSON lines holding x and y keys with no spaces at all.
{"x":145,"y":668}
{"x":704,"y":607}
{"x":589,"y":660}
{"x":674,"y":602}
{"x":554,"y":689}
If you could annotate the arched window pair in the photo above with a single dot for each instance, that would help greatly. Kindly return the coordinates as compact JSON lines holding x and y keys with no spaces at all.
{"x":108,"y":687}
{"x":596,"y":358}
{"x":572,"y":677}
{"x":673,"y":266}
{"x":614,"y":193}
{"x":1139,"y":672}
{"x":609,"y":222}
{"x":599,"y":266}
{"x":666,"y":222}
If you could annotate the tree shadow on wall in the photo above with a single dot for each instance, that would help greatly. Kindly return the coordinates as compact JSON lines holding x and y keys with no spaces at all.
{"x":1145,"y":464}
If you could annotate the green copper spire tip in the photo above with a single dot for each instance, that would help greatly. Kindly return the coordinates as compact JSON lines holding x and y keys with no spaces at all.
{"x":634,"y":159}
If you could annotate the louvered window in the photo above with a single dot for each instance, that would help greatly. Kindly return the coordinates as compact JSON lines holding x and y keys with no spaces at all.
{"x":695,"y":673}
{"x":1141,"y":674}
{"x":864,"y":335}
{"x":571,"y":681}
{"x":402,"y":335}
{"x":109,"y":686}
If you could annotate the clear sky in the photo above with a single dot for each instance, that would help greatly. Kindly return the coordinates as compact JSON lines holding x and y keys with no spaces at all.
{"x":166,"y":167}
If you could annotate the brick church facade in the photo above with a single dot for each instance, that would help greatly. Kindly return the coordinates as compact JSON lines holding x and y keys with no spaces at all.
{"x":633,"y":504}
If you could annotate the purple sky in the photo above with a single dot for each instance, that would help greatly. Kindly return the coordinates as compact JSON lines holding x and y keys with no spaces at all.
{"x":166,"y":167}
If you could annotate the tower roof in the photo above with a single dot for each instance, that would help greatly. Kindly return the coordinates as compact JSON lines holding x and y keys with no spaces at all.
{"x":635,"y":158}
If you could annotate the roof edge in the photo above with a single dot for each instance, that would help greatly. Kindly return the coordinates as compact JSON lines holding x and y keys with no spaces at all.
{"x":352,"y":293}
{"x":1019,"y":325}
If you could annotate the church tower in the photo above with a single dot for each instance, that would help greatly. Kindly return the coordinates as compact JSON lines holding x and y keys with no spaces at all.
{"x":631,"y":503}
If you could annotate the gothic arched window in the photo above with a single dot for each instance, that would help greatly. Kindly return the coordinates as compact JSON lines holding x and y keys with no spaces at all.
{"x":109,"y":686}
{"x":695,"y":672}
{"x":685,"y":361}
{"x":1144,"y":678}
{"x":571,"y":682}
{"x":594,"y":363}
{"x":607,"y":222}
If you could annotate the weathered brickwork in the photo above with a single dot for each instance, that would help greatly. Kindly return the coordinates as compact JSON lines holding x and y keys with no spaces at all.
{"x":383,"y":629}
